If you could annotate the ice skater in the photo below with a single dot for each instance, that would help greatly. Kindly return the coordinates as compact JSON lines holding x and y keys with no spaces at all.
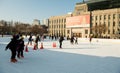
{"x":20,"y":47}
{"x":12,"y":45}
{"x":60,"y":41}
{"x":72,"y":40}
{"x":76,"y":40}
{"x":37,"y":39}
{"x":90,"y":39}
{"x":30,"y":40}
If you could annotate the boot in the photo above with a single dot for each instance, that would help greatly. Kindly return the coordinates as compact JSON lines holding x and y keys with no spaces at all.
{"x":18,"y":57}
{"x":22,"y":56}
{"x":13,"y":61}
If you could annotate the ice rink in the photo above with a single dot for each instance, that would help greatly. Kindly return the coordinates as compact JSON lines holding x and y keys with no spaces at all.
{"x":99,"y":56}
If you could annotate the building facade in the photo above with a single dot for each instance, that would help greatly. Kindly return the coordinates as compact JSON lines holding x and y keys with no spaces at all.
{"x":78,"y":25}
{"x":110,"y":18}
{"x":101,"y":19}
{"x":57,"y":25}
{"x":104,"y":18}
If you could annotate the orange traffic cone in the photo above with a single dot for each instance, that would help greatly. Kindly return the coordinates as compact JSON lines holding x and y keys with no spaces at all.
{"x":54,"y":44}
{"x":26,"y":49}
{"x":41,"y":47}
{"x":34,"y":48}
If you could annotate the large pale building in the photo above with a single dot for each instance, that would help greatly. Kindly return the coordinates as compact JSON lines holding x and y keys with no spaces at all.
{"x":110,"y":18}
{"x":78,"y":24}
{"x":104,"y":16}
{"x":57,"y":25}
{"x":99,"y":18}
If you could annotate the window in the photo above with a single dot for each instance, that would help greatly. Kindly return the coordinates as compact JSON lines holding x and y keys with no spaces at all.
{"x":104,"y":24}
{"x":64,"y":26}
{"x":64,"y":32}
{"x":104,"y":17}
{"x":68,"y":31}
{"x":108,"y":16}
{"x":96,"y":24}
{"x":108,"y":31}
{"x":100,"y":17}
{"x":64,"y":20}
{"x":92,"y":17}
{"x":104,"y":31}
{"x":114,"y":24}
{"x":113,"y":31}
{"x":113,"y":16}
{"x":108,"y":24}
{"x":49,"y":26}
{"x":86,"y":31}
{"x":59,"y":21}
{"x":96,"y":18}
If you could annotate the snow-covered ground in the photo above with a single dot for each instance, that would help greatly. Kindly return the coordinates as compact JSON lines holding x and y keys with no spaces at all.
{"x":100,"y":56}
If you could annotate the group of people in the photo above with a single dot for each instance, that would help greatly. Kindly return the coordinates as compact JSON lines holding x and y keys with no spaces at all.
{"x":36,"y":40}
{"x":16,"y":46}
{"x":74,"y":39}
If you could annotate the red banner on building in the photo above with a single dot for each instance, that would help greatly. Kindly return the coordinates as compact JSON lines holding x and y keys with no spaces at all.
{"x":78,"y":21}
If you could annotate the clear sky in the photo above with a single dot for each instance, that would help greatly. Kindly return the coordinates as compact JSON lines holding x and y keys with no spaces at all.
{"x":27,"y":10}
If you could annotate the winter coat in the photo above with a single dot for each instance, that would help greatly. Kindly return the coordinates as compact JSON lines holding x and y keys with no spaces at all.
{"x":61,"y":39}
{"x":20,"y":45}
{"x":37,"y":39}
{"x":30,"y":38}
{"x":72,"y":39}
{"x":12,"y":44}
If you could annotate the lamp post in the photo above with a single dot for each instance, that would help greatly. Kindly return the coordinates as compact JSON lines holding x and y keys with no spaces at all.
{"x":90,"y":21}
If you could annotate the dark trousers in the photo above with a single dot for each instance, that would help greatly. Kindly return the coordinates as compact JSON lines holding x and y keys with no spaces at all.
{"x":13,"y":53}
{"x":60,"y":44}
{"x":20,"y":53}
{"x":30,"y":42}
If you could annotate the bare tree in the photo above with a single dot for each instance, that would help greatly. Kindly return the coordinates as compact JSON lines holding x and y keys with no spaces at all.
{"x":99,"y":30}
{"x":37,"y":29}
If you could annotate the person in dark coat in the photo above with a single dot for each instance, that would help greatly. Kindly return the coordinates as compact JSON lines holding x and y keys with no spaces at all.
{"x":60,"y":41}
{"x":30,"y":40}
{"x":72,"y":40}
{"x":12,"y":45}
{"x":20,"y":47}
{"x":36,"y":41}
{"x":76,"y":40}
{"x":90,"y":38}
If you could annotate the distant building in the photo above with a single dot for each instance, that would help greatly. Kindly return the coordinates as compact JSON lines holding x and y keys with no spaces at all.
{"x":36,"y":22}
{"x":45,"y":22}
{"x":1,"y":25}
